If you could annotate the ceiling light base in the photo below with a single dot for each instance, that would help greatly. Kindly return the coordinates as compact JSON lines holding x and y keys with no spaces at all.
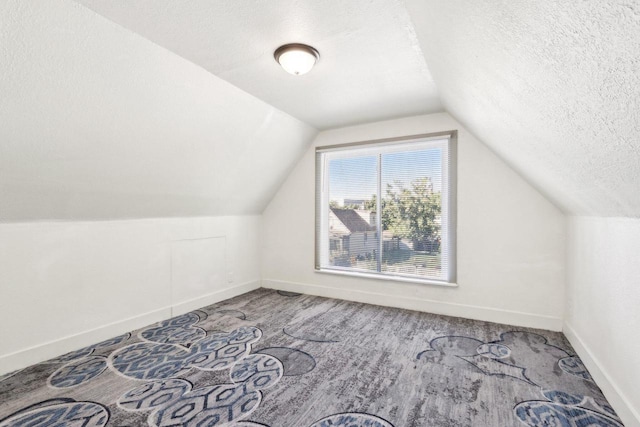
{"x":296,"y":58}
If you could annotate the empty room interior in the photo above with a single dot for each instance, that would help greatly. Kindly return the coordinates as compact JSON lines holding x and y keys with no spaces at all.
{"x":315,"y":213}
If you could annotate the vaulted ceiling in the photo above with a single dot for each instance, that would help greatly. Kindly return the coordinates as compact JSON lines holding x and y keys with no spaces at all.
{"x":552,"y":86}
{"x":371,"y":67}
{"x":100,"y":123}
{"x":138,"y":108}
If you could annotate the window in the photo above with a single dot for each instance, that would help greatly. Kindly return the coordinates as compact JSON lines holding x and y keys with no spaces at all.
{"x":387,"y":208}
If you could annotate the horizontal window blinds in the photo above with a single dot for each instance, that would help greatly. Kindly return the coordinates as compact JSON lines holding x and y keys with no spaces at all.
{"x":387,"y":209}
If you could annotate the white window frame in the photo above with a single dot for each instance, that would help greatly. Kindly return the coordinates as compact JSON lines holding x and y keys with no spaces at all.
{"x":324,"y":154}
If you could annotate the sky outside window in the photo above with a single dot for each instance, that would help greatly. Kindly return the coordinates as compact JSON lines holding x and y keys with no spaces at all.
{"x":356,"y":178}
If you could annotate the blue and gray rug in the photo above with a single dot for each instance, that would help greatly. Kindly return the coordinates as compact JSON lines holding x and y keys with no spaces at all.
{"x":279,"y":359}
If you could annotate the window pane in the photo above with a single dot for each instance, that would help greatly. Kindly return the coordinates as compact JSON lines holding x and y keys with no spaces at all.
{"x":412,"y":212}
{"x":352,"y":232}
{"x":412,"y":233}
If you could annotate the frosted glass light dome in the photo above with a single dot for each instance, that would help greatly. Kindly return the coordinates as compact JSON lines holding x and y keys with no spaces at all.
{"x":296,"y":58}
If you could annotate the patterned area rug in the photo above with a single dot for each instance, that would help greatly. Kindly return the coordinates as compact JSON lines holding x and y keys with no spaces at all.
{"x":280,"y":359}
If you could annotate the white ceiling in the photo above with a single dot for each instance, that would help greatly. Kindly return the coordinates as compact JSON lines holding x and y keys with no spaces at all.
{"x":552,"y":86}
{"x":371,"y":65}
{"x":100,"y":123}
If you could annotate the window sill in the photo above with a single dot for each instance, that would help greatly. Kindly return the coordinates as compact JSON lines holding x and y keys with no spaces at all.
{"x":388,"y":278}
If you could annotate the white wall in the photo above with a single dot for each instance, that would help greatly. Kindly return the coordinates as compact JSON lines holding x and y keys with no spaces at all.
{"x":65,"y":285}
{"x":100,"y":123}
{"x":602,"y":317}
{"x":511,"y":240}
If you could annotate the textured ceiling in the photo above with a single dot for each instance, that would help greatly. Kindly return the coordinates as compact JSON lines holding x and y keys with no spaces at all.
{"x":99,"y":123}
{"x":371,"y":66}
{"x":552,"y":86}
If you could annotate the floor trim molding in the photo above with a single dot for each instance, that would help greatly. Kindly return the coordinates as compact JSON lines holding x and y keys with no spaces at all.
{"x":39,"y":353}
{"x":489,"y":314}
{"x":629,"y":416}
{"x":214,"y":297}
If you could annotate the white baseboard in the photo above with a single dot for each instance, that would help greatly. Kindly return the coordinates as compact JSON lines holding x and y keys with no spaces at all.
{"x":39,"y":353}
{"x":629,"y":415}
{"x":214,"y":297}
{"x":45,"y":351}
{"x":488,"y":314}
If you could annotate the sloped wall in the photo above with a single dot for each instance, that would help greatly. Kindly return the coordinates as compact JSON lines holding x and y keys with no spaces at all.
{"x":510,"y":238}
{"x":99,"y":123}
{"x":553,"y":87}
{"x":603,"y":306}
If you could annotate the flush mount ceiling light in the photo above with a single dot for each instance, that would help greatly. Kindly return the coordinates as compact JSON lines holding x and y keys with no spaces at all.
{"x":296,"y":58}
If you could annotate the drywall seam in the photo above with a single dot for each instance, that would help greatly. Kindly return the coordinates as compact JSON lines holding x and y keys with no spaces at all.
{"x":488,"y":314}
{"x":627,"y":413}
{"x":172,"y":283}
{"x":39,"y":353}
